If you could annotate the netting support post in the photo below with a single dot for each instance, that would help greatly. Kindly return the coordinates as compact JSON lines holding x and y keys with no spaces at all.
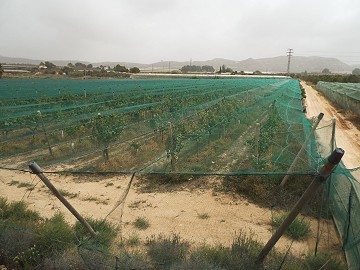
{"x":257,"y":141}
{"x":37,"y":170}
{"x":348,"y":219}
{"x":45,"y":133}
{"x":302,"y":149}
{"x":324,"y":173}
{"x":332,"y":142}
{"x":172,"y":146}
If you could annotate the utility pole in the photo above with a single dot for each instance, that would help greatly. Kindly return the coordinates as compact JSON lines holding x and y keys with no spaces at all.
{"x":289,"y":54}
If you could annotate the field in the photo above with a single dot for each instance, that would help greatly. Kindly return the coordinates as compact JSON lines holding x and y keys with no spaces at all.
{"x":207,"y":155}
{"x":346,"y":95}
{"x":194,"y":126}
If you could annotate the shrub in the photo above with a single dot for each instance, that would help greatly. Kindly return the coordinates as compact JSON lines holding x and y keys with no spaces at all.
{"x":106,"y":232}
{"x":241,"y":255}
{"x":299,"y":229}
{"x":322,"y":261}
{"x":55,"y":235}
{"x":141,"y":223}
{"x":133,"y":240}
{"x":166,"y":251}
{"x":17,"y":211}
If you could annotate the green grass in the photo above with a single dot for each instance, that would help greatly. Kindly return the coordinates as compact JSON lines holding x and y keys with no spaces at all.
{"x":141,"y":223}
{"x":299,"y":229}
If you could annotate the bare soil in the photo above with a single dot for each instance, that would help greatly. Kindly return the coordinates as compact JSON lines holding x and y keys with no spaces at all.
{"x":194,"y":210}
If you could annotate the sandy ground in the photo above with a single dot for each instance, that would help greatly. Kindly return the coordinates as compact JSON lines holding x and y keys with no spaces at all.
{"x":179,"y":210}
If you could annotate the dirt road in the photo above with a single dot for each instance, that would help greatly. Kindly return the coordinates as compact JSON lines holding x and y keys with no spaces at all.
{"x":347,"y":135}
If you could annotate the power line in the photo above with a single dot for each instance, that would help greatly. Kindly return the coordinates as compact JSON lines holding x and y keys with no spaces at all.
{"x":289,"y":54}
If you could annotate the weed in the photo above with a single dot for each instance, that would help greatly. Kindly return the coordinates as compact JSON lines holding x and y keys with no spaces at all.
{"x":299,"y":229}
{"x":19,"y":184}
{"x":55,"y":235}
{"x":109,"y":184}
{"x":166,"y":251}
{"x":141,"y":223}
{"x":18,"y":211}
{"x":203,"y":215}
{"x":322,"y":261}
{"x":96,"y":200}
{"x":29,"y":258}
{"x":13,"y":183}
{"x":240,"y":255}
{"x":106,"y":232}
{"x":28,"y":186}
{"x":136,"y":204}
{"x":133,"y":240}
{"x":68,"y":194}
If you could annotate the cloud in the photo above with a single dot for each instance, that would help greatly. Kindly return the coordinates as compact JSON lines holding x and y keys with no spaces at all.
{"x":148,"y":31}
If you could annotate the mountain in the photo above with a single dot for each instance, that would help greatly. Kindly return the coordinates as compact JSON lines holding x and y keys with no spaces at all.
{"x":273,"y":64}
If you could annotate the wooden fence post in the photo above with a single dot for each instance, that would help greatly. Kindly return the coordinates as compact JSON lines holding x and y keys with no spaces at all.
{"x":37,"y":170}
{"x":324,"y":173}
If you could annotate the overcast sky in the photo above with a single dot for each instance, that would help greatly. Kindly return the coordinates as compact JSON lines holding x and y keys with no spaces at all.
{"x":147,"y":31}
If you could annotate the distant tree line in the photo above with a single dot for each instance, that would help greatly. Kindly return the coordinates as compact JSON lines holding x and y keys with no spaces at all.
{"x":80,"y":69}
{"x":193,"y":68}
{"x":224,"y":69}
{"x":329,"y":77}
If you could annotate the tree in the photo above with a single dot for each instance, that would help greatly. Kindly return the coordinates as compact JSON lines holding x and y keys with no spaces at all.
{"x":66,"y":70}
{"x":80,"y":65}
{"x":120,"y":68}
{"x":207,"y":69}
{"x":1,"y":70}
{"x":89,"y":66}
{"x":70,"y":65}
{"x":356,"y":71}
{"x":134,"y":70}
{"x":325,"y":71}
{"x":106,"y":128}
{"x":49,"y":64}
{"x":192,"y":68}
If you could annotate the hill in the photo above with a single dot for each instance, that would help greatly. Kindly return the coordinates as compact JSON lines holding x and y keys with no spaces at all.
{"x":273,"y":64}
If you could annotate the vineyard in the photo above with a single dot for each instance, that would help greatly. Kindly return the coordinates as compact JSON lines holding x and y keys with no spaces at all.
{"x":158,"y":126}
{"x":347,"y":95}
{"x":170,"y":133}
